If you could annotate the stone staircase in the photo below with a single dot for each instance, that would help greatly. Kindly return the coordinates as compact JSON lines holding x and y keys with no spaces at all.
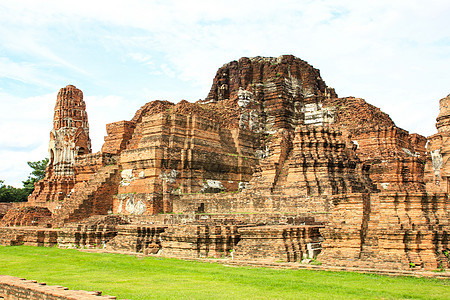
{"x":89,"y":198}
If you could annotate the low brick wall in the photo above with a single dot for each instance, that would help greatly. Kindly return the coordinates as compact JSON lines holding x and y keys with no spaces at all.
{"x":251,"y":202}
{"x":251,"y":219}
{"x":388,"y":231}
{"x":14,"y":288}
{"x":29,"y":236}
{"x":278,"y":243}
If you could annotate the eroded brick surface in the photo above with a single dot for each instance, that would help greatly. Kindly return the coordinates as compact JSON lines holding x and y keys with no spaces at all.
{"x":14,"y":288}
{"x":26,"y":216}
{"x":68,"y":139}
{"x":272,"y":165}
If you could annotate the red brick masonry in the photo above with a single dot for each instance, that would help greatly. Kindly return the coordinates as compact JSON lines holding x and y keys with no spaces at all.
{"x":14,"y":288}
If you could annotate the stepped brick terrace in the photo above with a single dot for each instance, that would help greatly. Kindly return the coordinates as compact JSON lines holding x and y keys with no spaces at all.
{"x":271,"y":166}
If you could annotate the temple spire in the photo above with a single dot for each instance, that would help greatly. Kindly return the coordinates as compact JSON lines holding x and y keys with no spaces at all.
{"x":70,"y":134}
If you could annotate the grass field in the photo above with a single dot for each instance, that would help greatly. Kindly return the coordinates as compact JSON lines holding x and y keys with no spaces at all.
{"x":159,"y":278}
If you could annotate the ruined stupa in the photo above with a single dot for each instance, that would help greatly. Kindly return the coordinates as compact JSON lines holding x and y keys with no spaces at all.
{"x":271,"y":165}
{"x":69,"y":138}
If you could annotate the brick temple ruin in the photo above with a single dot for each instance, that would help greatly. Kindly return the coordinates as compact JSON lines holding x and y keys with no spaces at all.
{"x":271,"y":166}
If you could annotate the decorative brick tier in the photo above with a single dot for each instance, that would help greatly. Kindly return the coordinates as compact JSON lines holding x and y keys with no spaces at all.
{"x":199,"y":240}
{"x":388,"y":231}
{"x":278,"y":243}
{"x":86,"y":236}
{"x":253,"y":202}
{"x":29,"y":236}
{"x":137,"y":239}
{"x":320,"y":164}
{"x":395,"y":158}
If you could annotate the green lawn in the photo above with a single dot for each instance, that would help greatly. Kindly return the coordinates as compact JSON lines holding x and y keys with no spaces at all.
{"x":148,"y":278}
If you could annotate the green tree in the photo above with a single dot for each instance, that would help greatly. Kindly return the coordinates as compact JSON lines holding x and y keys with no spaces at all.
{"x":11,"y":194}
{"x":37,"y":174}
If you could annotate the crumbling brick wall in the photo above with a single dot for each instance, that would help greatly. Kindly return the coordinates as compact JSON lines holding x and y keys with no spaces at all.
{"x":14,"y":288}
{"x":388,"y":231}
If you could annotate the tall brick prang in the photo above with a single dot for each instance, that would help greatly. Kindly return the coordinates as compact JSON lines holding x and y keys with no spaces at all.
{"x":70,"y":134}
{"x":437,"y":168}
{"x":69,"y":138}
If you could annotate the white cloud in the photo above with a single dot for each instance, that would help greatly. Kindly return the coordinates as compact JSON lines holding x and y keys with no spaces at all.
{"x":142,"y":58}
{"x":168,"y":71}
{"x":102,"y":110}
{"x":24,"y":134}
{"x":21,"y":71}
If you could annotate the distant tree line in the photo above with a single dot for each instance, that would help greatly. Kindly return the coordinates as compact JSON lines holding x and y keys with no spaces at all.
{"x":11,"y":194}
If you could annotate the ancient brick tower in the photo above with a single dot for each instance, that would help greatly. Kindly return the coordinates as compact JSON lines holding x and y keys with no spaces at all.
{"x":70,"y":134}
{"x":68,"y":139}
{"x":437,"y":169}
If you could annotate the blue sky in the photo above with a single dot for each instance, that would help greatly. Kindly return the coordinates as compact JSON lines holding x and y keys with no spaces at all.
{"x":122,"y":54}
